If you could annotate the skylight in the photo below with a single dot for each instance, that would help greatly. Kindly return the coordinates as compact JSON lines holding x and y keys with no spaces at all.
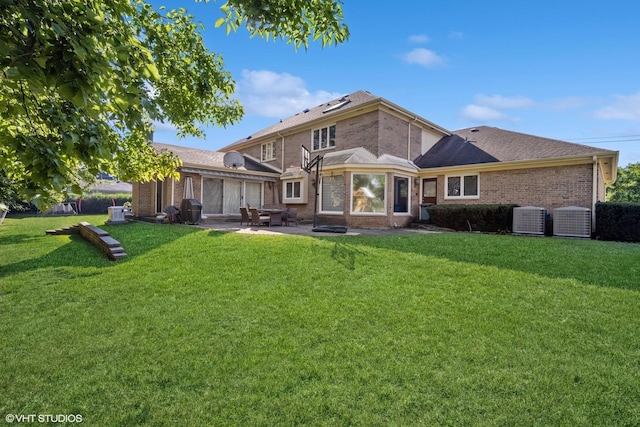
{"x":335,"y":107}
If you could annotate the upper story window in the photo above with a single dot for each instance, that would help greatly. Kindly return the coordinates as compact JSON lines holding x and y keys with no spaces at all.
{"x":463,"y":186}
{"x":268,"y":151}
{"x":324,"y":138}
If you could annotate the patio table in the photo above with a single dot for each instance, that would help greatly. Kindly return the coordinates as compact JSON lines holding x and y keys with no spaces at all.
{"x":274,"y":214}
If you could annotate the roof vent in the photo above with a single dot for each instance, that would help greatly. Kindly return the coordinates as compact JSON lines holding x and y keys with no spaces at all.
{"x":529,"y":220}
{"x":572,"y":221}
{"x":306,"y":110}
{"x":475,"y":130}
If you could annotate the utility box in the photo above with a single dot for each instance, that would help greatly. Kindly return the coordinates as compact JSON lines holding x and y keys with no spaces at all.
{"x":116,"y":215}
{"x":191,"y":211}
{"x":424,"y":212}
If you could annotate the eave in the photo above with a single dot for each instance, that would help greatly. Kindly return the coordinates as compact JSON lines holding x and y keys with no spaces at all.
{"x":609,"y":168}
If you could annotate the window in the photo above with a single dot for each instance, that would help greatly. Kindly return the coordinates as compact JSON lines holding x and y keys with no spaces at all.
{"x":332,"y":194}
{"x":400,"y":194}
{"x":464,"y":186}
{"x":292,"y":190}
{"x":324,"y":138}
{"x":268,"y":151}
{"x":368,"y":193}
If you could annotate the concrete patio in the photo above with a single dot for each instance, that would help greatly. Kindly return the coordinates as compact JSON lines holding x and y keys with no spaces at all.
{"x":305,"y":230}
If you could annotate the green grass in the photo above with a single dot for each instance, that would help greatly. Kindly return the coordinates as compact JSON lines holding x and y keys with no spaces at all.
{"x":198,"y":327}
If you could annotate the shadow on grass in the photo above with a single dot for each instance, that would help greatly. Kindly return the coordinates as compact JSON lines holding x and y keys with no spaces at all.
{"x":608,"y":264}
{"x":135,"y":238}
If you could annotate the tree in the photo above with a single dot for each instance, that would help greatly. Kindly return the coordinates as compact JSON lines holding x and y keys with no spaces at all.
{"x":627,"y":185}
{"x":82,"y":83}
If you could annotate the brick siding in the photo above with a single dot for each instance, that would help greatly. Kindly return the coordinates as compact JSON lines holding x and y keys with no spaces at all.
{"x":550,"y":187}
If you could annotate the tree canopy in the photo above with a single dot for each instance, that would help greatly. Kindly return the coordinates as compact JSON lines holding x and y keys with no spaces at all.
{"x":82,"y":82}
{"x":627,"y":185}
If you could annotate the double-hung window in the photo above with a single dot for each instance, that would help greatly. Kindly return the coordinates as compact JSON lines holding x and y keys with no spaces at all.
{"x":268,"y":151}
{"x":323,"y":138}
{"x":463,"y":186}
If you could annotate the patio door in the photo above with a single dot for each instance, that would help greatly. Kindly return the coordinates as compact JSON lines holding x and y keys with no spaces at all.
{"x":226,"y":196}
{"x":430,"y":190}
{"x":232,"y":196}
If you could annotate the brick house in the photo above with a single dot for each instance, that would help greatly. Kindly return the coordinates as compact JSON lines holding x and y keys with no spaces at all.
{"x":380,"y":162}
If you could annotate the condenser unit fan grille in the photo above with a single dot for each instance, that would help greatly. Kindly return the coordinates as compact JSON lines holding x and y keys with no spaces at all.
{"x":529,"y":220}
{"x":572,"y":221}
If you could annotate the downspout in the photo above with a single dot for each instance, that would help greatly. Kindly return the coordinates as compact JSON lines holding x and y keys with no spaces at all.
{"x":594,"y":197}
{"x":276,"y":190}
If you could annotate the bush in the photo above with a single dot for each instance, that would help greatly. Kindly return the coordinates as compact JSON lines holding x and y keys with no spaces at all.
{"x":488,"y":218}
{"x":618,"y":221}
{"x":98,"y":203}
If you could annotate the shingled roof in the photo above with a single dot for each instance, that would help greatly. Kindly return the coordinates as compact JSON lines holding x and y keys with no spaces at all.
{"x":336,"y":107}
{"x":453,"y":150}
{"x":508,"y":146}
{"x":208,"y":159}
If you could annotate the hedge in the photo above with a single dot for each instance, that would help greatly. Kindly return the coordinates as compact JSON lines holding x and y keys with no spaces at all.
{"x":618,"y":221}
{"x":98,"y":203}
{"x":487,"y":218}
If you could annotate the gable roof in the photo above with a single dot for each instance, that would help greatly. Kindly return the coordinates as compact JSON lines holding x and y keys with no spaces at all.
{"x":335,"y":109}
{"x":207,"y":159}
{"x":453,"y":150}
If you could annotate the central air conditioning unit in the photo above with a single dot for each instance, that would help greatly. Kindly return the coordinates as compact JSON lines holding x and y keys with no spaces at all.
{"x":572,"y":221}
{"x":529,"y":220}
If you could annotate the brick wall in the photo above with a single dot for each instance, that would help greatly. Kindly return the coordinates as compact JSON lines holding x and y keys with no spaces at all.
{"x":550,"y":188}
{"x":143,"y":198}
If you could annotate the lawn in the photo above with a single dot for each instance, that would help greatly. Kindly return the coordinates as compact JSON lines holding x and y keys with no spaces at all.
{"x":203,"y":328}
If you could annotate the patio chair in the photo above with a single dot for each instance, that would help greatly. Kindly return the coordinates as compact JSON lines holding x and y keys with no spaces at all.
{"x":257,"y":219}
{"x":244,"y":216}
{"x":292,"y":216}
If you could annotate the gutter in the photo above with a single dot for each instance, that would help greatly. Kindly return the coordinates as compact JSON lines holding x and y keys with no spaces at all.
{"x":594,"y":199}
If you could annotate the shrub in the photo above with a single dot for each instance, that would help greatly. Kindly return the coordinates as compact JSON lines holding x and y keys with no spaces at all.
{"x":488,"y":218}
{"x":618,"y":221}
{"x":98,"y":203}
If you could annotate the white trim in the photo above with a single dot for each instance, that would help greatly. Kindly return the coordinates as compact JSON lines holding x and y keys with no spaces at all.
{"x":384,"y":202}
{"x":319,"y":129}
{"x":461,"y":196}
{"x":272,"y":150}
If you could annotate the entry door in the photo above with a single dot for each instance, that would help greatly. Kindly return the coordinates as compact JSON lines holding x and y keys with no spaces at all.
{"x":430,"y":190}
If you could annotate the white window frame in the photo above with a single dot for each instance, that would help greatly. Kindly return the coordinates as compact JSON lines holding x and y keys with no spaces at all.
{"x":409,"y":191}
{"x":329,"y":142}
{"x":461,"y":195}
{"x":321,"y":193}
{"x":268,"y":151}
{"x":302,"y":196}
{"x":353,"y":208}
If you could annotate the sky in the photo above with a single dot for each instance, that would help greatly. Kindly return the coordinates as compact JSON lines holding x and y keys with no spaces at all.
{"x":561,"y":69}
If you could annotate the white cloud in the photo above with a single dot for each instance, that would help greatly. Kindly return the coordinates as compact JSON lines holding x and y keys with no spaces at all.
{"x":482,"y":113}
{"x":571,"y":103}
{"x":490,"y":108}
{"x":625,"y":107}
{"x":425,"y":57}
{"x":277,"y":95}
{"x":503,"y":102}
{"x":419,"y":38}
{"x":456,"y":35}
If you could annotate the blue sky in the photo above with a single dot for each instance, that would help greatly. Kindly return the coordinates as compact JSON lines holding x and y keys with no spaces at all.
{"x":561,"y":69}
